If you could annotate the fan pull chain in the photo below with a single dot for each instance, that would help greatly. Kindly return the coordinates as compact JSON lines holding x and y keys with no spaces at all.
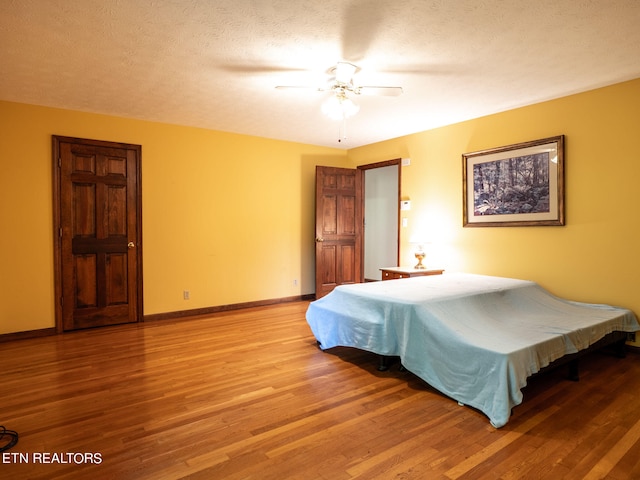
{"x":342,"y":130}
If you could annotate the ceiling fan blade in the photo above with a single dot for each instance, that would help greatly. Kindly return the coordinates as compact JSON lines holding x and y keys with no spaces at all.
{"x":380,"y":91}
{"x":360,"y":26}
{"x":300,"y":88}
{"x":257,"y":68}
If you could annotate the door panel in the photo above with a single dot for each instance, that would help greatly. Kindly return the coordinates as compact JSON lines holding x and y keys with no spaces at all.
{"x":338,"y":228}
{"x":98,"y":248}
{"x":348,"y":262}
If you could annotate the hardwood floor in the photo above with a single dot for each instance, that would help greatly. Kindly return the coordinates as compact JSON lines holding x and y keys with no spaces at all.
{"x":247,"y":395}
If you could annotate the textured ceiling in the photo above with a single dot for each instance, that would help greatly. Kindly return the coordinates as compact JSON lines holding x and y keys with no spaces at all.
{"x":215,"y":63}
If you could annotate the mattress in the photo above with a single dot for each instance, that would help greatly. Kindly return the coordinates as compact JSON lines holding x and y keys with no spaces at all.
{"x":475,"y":338}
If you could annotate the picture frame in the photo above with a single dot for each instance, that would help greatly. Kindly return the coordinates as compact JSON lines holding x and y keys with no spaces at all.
{"x":515,"y":185}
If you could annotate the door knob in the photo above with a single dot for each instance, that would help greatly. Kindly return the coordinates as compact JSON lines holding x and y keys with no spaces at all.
{"x":131,"y":245}
{"x":319,"y":239}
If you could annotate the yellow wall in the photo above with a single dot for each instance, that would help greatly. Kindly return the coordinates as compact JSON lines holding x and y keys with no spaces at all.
{"x":595,"y":257}
{"x":227,"y":217}
{"x":230,"y":217}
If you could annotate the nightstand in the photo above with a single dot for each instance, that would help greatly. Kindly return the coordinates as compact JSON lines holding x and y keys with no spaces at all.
{"x":393,"y":273}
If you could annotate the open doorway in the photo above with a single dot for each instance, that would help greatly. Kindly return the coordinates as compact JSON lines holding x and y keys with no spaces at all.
{"x":381,"y":217}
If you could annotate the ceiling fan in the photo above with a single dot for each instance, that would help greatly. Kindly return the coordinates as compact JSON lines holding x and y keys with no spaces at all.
{"x":339,"y":106}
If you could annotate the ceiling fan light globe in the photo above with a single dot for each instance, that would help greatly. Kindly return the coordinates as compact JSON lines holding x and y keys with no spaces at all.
{"x":349,"y":108}
{"x":339,"y":108}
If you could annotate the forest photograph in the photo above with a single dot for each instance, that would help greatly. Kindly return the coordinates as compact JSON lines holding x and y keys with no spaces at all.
{"x":518,"y":185}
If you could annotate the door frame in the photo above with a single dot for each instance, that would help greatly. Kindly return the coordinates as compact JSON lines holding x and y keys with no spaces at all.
{"x":385,"y":163}
{"x":57,"y":222}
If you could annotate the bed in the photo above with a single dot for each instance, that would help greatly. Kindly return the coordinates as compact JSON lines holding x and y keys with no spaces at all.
{"x":475,"y":338}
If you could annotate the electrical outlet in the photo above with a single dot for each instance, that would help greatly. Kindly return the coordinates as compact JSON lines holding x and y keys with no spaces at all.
{"x":185,"y":295}
{"x":631,"y":337}
{"x":295,"y":282}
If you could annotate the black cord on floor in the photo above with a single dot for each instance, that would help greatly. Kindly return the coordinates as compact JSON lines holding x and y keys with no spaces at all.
{"x":12,"y":437}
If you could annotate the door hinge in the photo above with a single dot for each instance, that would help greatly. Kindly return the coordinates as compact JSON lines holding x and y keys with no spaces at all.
{"x":59,"y":162}
{"x":60,"y":232}
{"x":61,"y":301}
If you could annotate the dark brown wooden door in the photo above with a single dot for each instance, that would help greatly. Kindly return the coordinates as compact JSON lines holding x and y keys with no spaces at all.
{"x":98,"y":248}
{"x":338,"y":228}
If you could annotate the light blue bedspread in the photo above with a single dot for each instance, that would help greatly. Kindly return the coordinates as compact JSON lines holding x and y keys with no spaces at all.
{"x":475,"y":338}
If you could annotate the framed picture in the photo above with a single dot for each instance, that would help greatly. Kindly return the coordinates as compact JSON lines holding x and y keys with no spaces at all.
{"x":516,"y":185}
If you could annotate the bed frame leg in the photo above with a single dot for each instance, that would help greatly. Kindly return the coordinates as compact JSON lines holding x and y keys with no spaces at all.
{"x":383,"y":363}
{"x":574,"y":373}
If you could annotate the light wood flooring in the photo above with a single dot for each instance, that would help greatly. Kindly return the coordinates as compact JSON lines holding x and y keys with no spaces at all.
{"x":248,"y":395}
